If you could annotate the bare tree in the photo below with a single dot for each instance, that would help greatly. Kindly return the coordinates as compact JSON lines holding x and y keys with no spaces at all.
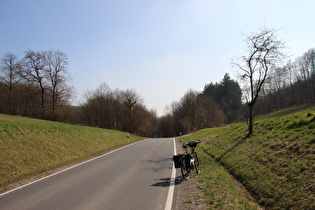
{"x":9,"y":68}
{"x":188,"y":105}
{"x":264,"y":50}
{"x":131,"y":98}
{"x":119,"y":110}
{"x":34,"y":71}
{"x":57,"y":75}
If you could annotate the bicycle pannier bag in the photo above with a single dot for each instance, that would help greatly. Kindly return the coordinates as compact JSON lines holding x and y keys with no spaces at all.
{"x":176,"y":159}
{"x":188,"y":161}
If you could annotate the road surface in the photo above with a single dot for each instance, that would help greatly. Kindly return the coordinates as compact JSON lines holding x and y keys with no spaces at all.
{"x":134,"y":177}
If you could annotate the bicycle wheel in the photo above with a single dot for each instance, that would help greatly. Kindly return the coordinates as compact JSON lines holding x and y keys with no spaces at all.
{"x":185,"y":170}
{"x":196,"y":163}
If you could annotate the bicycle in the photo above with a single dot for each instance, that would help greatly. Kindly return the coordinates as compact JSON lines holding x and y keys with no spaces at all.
{"x":189,"y":160}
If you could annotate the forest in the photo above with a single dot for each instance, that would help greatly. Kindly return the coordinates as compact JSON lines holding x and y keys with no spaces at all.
{"x":39,"y":86}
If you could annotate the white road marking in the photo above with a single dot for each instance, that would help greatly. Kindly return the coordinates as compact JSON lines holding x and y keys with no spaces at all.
{"x":170,"y":195}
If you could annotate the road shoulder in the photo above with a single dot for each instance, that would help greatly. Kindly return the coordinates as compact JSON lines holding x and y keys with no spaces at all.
{"x":188,"y":194}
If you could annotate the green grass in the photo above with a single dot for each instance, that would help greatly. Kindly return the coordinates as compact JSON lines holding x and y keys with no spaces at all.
{"x":220,"y":189}
{"x":30,"y":146}
{"x":276,"y":164}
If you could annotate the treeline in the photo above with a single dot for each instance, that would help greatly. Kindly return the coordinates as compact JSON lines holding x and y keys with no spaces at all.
{"x":118,"y":110}
{"x":35,"y":85}
{"x":124,"y":110}
{"x":216,"y":105}
{"x":221,"y":103}
{"x":290,"y":85}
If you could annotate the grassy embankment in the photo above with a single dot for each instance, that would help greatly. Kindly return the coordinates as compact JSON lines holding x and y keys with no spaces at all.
{"x":30,"y":146}
{"x":276,"y":164}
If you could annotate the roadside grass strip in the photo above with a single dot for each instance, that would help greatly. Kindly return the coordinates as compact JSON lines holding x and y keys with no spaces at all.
{"x":276,"y":164}
{"x":30,"y":146}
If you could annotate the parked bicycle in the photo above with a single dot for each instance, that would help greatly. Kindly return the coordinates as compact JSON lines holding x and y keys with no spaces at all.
{"x":188,"y":161}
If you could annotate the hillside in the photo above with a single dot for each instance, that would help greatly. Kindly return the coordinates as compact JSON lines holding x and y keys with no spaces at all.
{"x":30,"y":146}
{"x":276,"y":164}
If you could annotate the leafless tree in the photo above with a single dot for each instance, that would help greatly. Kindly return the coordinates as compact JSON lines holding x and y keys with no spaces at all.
{"x":34,"y":71}
{"x":305,"y":68}
{"x":57,"y":75}
{"x":131,"y":98}
{"x":9,"y":69}
{"x":208,"y":113}
{"x":119,"y":110}
{"x":264,"y":50}
{"x":188,"y":105}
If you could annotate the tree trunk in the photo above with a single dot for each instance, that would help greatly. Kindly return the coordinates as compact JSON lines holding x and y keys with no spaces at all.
{"x":250,"y":125}
{"x":43,"y":101}
{"x":53,"y":103}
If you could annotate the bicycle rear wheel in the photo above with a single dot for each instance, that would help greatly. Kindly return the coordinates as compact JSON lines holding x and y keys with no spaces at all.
{"x":196,"y":163}
{"x":184,"y":169}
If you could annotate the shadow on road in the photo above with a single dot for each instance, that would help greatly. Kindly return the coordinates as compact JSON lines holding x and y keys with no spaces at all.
{"x":165,"y":182}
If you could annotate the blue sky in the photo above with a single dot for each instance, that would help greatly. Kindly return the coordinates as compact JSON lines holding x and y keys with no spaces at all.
{"x":159,"y":48}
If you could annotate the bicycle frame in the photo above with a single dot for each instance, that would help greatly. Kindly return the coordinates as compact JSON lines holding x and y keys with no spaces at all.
{"x":189,"y":160}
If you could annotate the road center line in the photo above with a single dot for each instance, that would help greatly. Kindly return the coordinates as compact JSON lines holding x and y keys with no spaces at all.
{"x":170,"y":195}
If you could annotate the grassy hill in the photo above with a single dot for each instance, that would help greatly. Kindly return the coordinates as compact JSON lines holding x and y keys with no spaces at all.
{"x":276,"y":164}
{"x":30,"y":146}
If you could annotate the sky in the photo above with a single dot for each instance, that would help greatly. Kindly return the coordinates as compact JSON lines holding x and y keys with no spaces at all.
{"x":159,"y":48}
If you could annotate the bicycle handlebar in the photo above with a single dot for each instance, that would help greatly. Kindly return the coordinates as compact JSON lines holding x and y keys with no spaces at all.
{"x":192,"y":144}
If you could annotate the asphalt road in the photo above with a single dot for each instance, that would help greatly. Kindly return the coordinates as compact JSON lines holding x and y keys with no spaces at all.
{"x":135,"y":177}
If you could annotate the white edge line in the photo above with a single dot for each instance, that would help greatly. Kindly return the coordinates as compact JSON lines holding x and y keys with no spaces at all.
{"x":59,"y":172}
{"x":170,"y":195}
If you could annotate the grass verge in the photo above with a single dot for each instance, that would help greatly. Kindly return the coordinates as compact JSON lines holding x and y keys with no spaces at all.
{"x":31,"y":146}
{"x":219,"y":187}
{"x":276,"y":164}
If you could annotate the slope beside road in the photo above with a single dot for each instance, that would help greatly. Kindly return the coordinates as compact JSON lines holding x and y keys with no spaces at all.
{"x":134,"y":177}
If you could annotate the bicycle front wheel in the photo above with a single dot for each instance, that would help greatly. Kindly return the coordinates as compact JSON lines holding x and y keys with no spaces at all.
{"x":196,"y":163}
{"x":185,"y":170}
